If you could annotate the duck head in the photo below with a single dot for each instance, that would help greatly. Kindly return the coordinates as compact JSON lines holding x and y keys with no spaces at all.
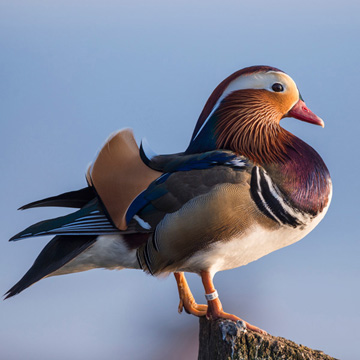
{"x":244,"y":111}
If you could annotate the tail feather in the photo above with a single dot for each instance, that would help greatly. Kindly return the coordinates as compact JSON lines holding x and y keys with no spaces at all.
{"x":72,"y":199}
{"x":90,"y":220}
{"x":58,"y":252}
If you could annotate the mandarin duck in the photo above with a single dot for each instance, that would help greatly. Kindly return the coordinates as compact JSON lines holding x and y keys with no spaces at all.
{"x":243,"y":188}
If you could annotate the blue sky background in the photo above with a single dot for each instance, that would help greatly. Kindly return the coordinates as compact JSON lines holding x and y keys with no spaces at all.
{"x":72,"y":72}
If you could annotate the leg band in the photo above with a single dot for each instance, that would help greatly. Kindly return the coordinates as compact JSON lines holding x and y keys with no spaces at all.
{"x":214,"y":295}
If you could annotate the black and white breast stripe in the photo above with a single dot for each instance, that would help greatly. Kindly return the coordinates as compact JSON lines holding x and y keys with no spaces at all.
{"x":271,"y":202}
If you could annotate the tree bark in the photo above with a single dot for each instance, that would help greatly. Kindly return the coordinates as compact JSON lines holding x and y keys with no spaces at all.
{"x":225,"y":340}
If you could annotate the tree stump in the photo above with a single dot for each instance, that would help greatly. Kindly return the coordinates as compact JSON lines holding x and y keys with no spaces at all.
{"x":225,"y":340}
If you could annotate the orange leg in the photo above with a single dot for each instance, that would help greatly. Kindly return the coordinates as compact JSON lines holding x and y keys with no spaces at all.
{"x":187,"y":300}
{"x":215,"y":310}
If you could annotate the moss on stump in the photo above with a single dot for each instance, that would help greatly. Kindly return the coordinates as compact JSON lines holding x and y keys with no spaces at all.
{"x":225,"y":340}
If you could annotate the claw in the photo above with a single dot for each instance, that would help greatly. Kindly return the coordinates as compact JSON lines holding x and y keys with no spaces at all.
{"x":187,"y":300}
{"x":181,"y":306}
{"x":215,"y":310}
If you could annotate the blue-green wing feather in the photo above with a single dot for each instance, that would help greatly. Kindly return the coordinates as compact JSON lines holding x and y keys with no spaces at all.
{"x":90,"y":220}
{"x":180,"y":163}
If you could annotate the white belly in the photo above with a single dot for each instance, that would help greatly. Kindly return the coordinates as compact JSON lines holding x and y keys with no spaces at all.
{"x":254,"y":244}
{"x":108,"y":252}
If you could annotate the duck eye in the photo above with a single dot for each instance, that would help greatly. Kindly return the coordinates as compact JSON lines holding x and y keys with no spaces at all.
{"x":277,"y":87}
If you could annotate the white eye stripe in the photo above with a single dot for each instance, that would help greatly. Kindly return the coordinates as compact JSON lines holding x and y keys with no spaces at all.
{"x":262,"y":80}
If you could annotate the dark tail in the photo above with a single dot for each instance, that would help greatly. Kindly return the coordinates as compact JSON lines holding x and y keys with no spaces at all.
{"x":73,"y":199}
{"x":58,"y":252}
{"x":89,"y":220}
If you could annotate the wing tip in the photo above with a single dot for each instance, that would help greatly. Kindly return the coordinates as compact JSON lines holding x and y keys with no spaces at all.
{"x":14,"y":238}
{"x":7,"y":295}
{"x":22,"y":235}
{"x":71,"y":199}
{"x":12,"y":292}
{"x":16,"y":289}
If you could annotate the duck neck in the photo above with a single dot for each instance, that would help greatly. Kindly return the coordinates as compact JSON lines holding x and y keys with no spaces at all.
{"x":295,"y":167}
{"x":263,"y":142}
